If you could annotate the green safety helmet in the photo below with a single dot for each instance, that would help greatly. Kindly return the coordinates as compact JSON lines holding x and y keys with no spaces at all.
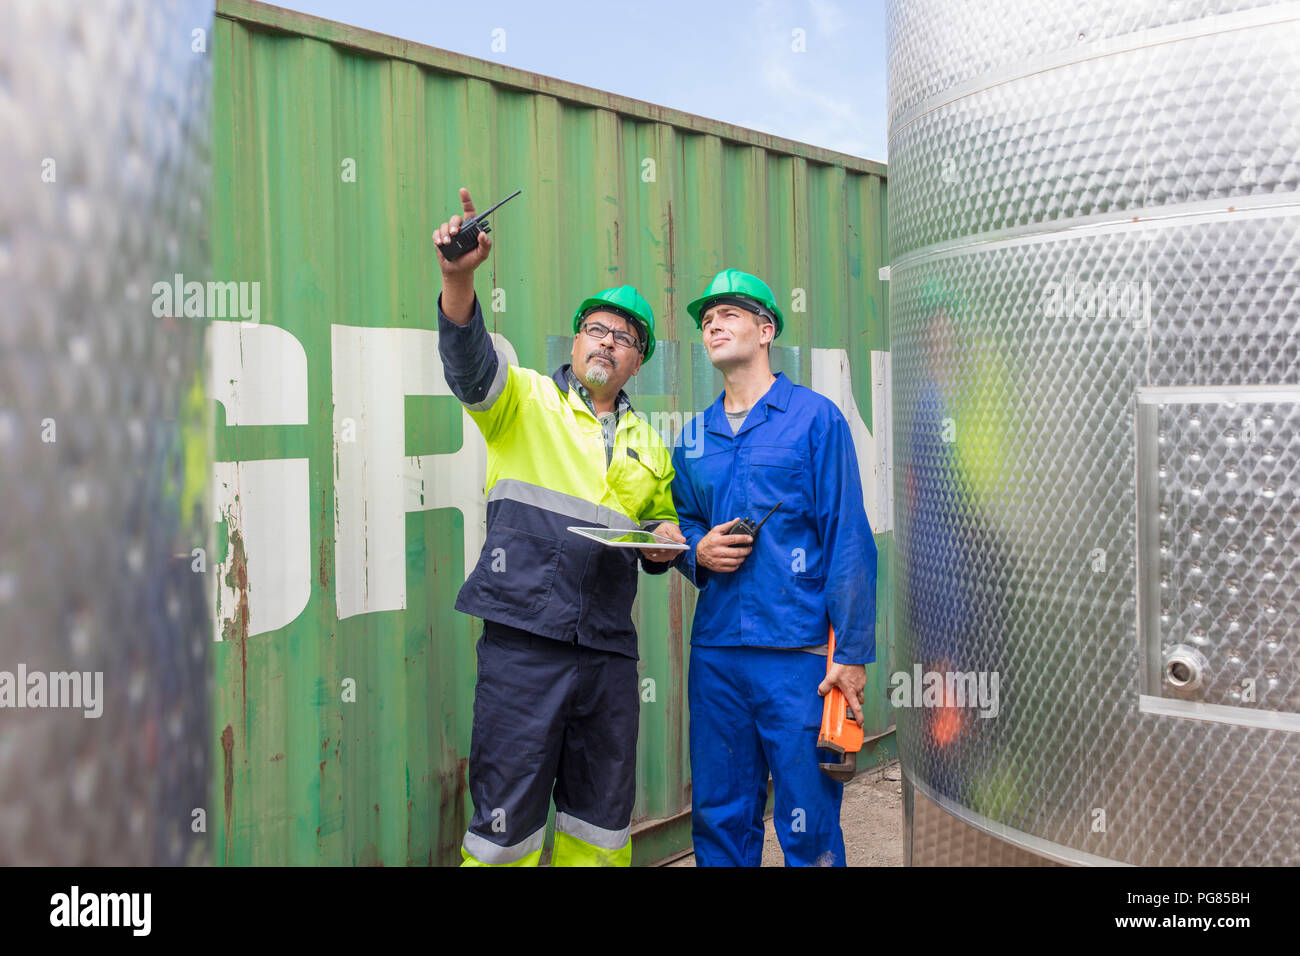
{"x":744,"y":290}
{"x":625,"y":301}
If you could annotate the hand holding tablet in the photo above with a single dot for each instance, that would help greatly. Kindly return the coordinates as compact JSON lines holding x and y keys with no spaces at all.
{"x":619,"y":538}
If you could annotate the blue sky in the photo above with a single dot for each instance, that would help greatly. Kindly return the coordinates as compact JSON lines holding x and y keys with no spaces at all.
{"x":731,"y":60}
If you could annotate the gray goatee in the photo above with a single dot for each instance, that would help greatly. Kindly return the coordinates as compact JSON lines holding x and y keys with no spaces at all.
{"x":597,"y":373}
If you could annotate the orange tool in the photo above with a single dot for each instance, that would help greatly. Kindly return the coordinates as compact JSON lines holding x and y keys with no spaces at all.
{"x":840,"y":730}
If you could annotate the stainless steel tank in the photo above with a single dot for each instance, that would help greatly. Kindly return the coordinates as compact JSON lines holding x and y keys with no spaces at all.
{"x":104,"y":433}
{"x":1095,"y":314}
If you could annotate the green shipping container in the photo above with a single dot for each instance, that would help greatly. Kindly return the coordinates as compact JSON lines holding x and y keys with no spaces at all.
{"x":348,"y":483}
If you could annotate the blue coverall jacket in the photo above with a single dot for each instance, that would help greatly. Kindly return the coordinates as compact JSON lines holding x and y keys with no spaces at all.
{"x":814,"y":562}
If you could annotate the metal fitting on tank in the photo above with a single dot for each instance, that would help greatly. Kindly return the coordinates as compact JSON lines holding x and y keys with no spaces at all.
{"x":1185,"y":669}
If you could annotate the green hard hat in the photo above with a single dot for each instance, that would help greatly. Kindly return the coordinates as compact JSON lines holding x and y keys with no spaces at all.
{"x":734,"y":284}
{"x":623,"y":300}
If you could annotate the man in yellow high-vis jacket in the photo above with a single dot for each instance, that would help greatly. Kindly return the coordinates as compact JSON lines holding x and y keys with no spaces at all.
{"x":556,"y":702}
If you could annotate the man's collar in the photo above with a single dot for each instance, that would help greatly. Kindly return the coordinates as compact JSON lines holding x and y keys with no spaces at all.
{"x":566,"y":380}
{"x":777,"y":396}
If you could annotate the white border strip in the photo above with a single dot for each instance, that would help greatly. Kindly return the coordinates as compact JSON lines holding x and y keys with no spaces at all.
{"x":1219,"y":713}
{"x":1044,"y":848}
{"x":1216,"y":394}
{"x":1173,"y":216}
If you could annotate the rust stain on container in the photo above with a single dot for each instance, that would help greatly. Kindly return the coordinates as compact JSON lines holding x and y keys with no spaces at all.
{"x":228,"y":786}
{"x":323,"y":574}
{"x":235,"y":628}
{"x":451,"y":809}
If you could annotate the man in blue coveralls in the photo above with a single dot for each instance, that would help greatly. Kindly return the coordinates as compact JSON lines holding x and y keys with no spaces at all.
{"x":759,"y":640}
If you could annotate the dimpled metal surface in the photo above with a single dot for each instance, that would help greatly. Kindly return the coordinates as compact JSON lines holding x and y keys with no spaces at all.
{"x":937,"y":45}
{"x":1222,"y":565}
{"x":103,"y":428}
{"x":1089,"y":201}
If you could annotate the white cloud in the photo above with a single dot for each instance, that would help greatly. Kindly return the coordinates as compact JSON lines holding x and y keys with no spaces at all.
{"x":811,"y":114}
{"x":828,"y":17}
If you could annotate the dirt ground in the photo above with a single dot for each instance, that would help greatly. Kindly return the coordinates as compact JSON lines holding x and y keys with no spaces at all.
{"x":871,"y":817}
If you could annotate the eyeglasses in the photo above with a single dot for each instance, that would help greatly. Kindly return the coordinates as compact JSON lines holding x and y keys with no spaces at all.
{"x":598,"y":332}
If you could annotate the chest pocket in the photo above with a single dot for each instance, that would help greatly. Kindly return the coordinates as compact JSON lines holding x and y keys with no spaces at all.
{"x":639,"y":476}
{"x":779,"y":474}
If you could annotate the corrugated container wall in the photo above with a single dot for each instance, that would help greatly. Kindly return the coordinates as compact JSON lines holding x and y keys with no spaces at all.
{"x":348,"y":507}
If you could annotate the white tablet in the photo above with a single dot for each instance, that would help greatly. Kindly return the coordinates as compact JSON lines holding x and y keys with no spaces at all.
{"x":618,"y":538}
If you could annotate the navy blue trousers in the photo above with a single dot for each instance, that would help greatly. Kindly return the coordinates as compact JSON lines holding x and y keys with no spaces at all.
{"x":552,"y":720}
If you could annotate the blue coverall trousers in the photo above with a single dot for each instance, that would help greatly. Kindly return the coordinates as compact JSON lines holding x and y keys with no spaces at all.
{"x":755,"y":709}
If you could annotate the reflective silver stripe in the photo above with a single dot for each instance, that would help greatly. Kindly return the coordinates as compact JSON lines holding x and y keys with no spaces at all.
{"x":485,"y":851}
{"x":590,"y":833}
{"x":498,"y":386}
{"x":571,"y":506}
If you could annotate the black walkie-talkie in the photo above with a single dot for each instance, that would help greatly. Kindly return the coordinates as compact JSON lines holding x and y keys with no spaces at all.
{"x":745,"y":526}
{"x":466,"y":238}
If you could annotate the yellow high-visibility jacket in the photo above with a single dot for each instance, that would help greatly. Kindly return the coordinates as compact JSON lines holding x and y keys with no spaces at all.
{"x":546,"y":470}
